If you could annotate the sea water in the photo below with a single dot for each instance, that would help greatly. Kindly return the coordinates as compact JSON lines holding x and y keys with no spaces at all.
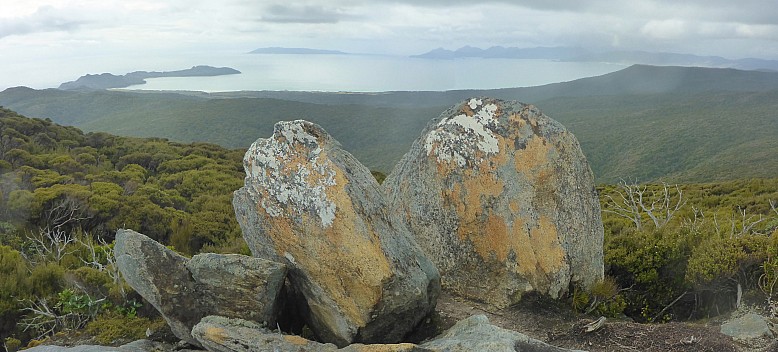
{"x":355,"y":73}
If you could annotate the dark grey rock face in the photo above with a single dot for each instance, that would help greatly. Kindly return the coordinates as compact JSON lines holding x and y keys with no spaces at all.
{"x":238,"y":286}
{"x":184,"y":291}
{"x":501,"y":198}
{"x":312,"y":205}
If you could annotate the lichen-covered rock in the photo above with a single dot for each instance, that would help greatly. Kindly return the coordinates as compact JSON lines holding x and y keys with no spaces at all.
{"x":309,"y":203}
{"x":502,"y":200}
{"x":219,"y":334}
{"x":184,"y":291}
{"x":476,"y":334}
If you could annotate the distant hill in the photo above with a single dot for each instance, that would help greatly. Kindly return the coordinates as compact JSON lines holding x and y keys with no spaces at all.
{"x":108,"y":80}
{"x":650,"y":123}
{"x":500,"y":52}
{"x":586,"y":55}
{"x":297,"y":51}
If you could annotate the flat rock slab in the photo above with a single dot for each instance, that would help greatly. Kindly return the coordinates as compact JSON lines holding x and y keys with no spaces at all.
{"x":748,"y":327}
{"x":310,"y":204}
{"x":502,"y":200}
{"x":184,"y":291}
{"x":135,"y":346}
{"x":476,"y":334}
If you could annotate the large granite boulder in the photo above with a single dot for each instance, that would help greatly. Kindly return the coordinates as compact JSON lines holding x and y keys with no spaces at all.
{"x":312,"y":205}
{"x":502,"y":200}
{"x":184,"y":291}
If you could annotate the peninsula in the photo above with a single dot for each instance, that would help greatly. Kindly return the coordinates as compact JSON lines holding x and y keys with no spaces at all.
{"x":108,"y":80}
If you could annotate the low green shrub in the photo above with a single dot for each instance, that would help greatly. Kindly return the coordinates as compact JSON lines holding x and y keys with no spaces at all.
{"x":112,"y":328}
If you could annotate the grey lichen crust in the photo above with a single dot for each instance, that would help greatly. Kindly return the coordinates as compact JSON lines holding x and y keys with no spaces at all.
{"x":289,"y":169}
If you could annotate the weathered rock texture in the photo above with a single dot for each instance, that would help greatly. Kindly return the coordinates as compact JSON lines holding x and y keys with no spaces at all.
{"x":502,"y":200}
{"x":312,"y":205}
{"x":474,"y":334}
{"x":219,"y":334}
{"x":184,"y":291}
{"x":477,"y":334}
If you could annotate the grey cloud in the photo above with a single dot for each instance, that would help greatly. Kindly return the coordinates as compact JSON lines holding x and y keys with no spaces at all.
{"x":45,"y":19}
{"x":303,"y":14}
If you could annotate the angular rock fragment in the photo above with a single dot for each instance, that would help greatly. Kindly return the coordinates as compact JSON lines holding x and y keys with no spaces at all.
{"x":312,"y":205}
{"x":184,"y":291}
{"x":501,"y":199}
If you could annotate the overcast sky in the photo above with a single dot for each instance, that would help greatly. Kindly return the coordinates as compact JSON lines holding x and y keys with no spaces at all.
{"x":91,"y":31}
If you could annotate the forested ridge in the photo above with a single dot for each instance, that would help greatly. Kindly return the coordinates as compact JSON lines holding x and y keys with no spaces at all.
{"x":677,"y":124}
{"x":671,"y":252}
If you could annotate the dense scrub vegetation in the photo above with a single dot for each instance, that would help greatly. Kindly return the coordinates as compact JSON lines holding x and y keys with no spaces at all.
{"x":691,"y":251}
{"x":63,"y":194}
{"x":671,"y":253}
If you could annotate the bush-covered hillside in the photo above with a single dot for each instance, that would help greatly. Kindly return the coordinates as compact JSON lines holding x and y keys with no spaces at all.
{"x":64,"y":193}
{"x":671,"y":253}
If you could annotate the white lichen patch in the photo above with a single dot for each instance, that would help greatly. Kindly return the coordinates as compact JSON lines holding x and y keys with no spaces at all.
{"x":459,"y":138}
{"x":287,"y":176}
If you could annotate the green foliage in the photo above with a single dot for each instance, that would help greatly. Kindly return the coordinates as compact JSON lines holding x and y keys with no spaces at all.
{"x":603,"y":298}
{"x":12,"y":344}
{"x":721,"y":239}
{"x":110,"y":327}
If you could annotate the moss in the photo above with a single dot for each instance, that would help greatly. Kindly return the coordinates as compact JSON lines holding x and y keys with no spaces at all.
{"x":113,"y":328}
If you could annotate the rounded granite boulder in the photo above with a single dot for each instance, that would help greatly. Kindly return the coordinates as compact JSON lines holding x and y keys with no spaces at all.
{"x":501,"y":198}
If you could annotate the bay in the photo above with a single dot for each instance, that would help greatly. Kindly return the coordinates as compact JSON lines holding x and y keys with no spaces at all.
{"x":373,"y":73}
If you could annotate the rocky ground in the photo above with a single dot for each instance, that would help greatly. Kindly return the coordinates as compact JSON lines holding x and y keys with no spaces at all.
{"x":558,"y":325}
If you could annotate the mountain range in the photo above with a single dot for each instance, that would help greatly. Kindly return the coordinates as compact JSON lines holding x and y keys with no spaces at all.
{"x":643,"y":122}
{"x":577,"y":54}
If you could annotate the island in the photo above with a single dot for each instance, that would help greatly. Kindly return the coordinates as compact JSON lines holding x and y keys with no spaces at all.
{"x":108,"y":80}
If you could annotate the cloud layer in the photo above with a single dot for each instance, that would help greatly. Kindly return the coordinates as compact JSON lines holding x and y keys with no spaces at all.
{"x":707,"y":27}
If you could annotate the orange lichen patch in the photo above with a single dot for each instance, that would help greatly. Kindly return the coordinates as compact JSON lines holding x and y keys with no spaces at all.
{"x":540,"y":250}
{"x":296,"y":340}
{"x":514,"y":205}
{"x":545,"y":241}
{"x":217,"y":335}
{"x":345,"y":259}
{"x":533,"y":157}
